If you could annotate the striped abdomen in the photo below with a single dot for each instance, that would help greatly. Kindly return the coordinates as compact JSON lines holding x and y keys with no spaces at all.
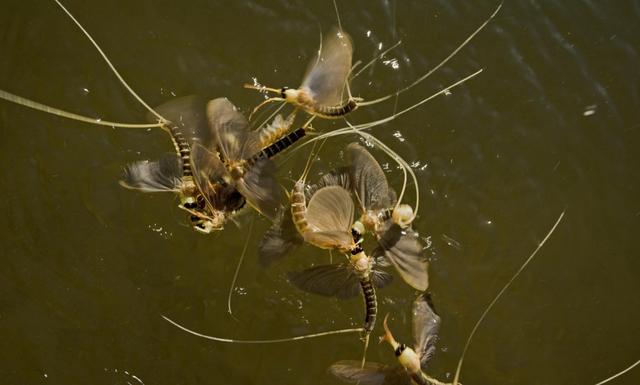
{"x":332,"y":112}
{"x":371,"y":304}
{"x":278,"y":146}
{"x":182,"y":148}
{"x":299,"y":208}
{"x":272,"y":132}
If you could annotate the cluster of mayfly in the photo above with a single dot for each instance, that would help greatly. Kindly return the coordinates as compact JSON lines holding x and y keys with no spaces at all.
{"x":221,"y":165}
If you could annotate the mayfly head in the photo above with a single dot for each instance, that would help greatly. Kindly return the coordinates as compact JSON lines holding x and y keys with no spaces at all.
{"x":402,"y":215}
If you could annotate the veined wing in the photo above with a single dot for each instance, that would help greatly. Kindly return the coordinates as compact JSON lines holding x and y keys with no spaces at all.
{"x":330,"y":209}
{"x":339,"y":240}
{"x":426,"y":325}
{"x":380,"y":278}
{"x":403,"y":249}
{"x":369,"y":181}
{"x":328,"y":73}
{"x":274,"y":131}
{"x":260,"y":188}
{"x":330,"y":215}
{"x":208,"y":172}
{"x":280,"y":239}
{"x":230,"y":130}
{"x":336,"y":280}
{"x":337,"y":177}
{"x":188,"y":114}
{"x":164,"y":175}
{"x":372,"y":373}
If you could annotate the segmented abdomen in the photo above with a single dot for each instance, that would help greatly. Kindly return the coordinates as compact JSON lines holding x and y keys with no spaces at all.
{"x":277,"y":147}
{"x":332,"y":112}
{"x":371,"y":304}
{"x":299,"y":208}
{"x":182,"y":147}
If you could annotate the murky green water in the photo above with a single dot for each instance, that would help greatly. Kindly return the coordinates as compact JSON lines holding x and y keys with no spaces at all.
{"x":551,"y":125}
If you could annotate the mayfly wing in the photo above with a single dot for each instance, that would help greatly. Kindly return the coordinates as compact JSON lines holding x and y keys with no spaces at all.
{"x":330,"y":215}
{"x":380,"y":278}
{"x":330,"y":209}
{"x":188,"y":114}
{"x":369,"y":181}
{"x":230,"y":130}
{"x":404,"y":250}
{"x":208,"y":171}
{"x":340,"y":240}
{"x":328,"y":73}
{"x":426,"y":326}
{"x":158,"y":176}
{"x":336,"y":280}
{"x":260,"y":188}
{"x":281,"y":238}
{"x":337,"y":177}
{"x":372,"y":373}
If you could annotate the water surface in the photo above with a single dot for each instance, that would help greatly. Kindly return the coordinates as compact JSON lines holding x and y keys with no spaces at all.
{"x":551,"y":125}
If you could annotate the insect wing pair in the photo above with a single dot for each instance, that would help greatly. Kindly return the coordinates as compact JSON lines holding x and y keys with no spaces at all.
{"x":364,"y":176}
{"x":324,"y":90}
{"x":219,"y":143}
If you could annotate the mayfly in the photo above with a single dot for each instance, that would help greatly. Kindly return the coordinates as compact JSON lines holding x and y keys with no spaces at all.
{"x":243,"y":159}
{"x":413,"y":361}
{"x":387,"y":220}
{"x":380,"y":215}
{"x":180,"y":173}
{"x":323,"y":89}
{"x":326,"y":222}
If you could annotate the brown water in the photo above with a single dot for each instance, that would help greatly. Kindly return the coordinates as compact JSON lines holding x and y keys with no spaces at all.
{"x":551,"y":125}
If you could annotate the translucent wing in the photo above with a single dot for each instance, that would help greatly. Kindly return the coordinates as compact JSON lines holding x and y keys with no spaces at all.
{"x":381,"y":278}
{"x":208,"y":172}
{"x":371,"y":374}
{"x":159,"y":176}
{"x":328,"y":73}
{"x":188,"y":114}
{"x":338,"y":177}
{"x":337,"y":280}
{"x":338,"y":240}
{"x":403,"y":249}
{"x":369,"y":181}
{"x":260,"y":188}
{"x":330,"y":209}
{"x":230,"y":130}
{"x":280,"y":239}
{"x":206,"y":167}
{"x":426,"y":325}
